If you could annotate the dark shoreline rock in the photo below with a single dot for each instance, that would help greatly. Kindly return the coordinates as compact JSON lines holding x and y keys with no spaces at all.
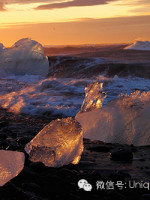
{"x":123,"y":154}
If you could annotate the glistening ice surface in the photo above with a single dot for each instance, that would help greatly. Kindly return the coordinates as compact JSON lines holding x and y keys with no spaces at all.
{"x":124,"y":120}
{"x":11,"y":164}
{"x":94,"y":97}
{"x":57,"y":144}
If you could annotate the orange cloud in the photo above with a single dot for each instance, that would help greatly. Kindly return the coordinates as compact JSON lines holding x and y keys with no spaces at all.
{"x":2,"y":7}
{"x":24,"y":1}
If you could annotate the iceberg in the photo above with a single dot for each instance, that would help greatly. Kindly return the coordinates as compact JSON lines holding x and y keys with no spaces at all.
{"x":140,"y":45}
{"x":25,"y":57}
{"x":124,"y":120}
{"x":11,"y":164}
{"x":57,"y":144}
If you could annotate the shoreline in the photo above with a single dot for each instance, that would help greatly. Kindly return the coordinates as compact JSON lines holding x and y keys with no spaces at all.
{"x":39,"y":182}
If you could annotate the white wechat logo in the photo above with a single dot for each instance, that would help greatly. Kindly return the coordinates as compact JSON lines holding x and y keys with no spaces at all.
{"x":83,"y":184}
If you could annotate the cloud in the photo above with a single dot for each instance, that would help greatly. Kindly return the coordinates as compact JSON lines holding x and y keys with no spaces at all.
{"x":3,"y":2}
{"x":73,"y":3}
{"x":9,"y":2}
{"x":143,"y":6}
{"x":2,"y":7}
{"x":143,"y":1}
{"x":142,"y":9}
{"x":21,"y":1}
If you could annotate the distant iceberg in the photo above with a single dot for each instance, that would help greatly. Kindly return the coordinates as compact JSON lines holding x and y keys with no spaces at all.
{"x":140,"y":45}
{"x":25,"y":57}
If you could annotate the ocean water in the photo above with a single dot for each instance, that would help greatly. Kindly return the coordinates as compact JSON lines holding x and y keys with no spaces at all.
{"x":37,"y":95}
{"x":62,"y":91}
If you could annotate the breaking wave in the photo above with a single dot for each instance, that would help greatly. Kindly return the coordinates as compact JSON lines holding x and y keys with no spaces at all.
{"x":36,"y":95}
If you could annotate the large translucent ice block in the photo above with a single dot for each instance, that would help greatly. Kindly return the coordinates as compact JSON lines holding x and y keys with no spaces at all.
{"x":57,"y":144}
{"x":125,"y":120}
{"x":25,"y":57}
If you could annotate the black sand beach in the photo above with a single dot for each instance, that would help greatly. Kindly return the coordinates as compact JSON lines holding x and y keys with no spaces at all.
{"x":37,"y":182}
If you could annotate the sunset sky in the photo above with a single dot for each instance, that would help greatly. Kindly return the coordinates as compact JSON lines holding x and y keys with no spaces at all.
{"x":66,"y":22}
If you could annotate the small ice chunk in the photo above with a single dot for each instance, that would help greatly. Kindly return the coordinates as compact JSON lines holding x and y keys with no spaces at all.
{"x":11,"y":164}
{"x":94,"y":97}
{"x":57,"y":144}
